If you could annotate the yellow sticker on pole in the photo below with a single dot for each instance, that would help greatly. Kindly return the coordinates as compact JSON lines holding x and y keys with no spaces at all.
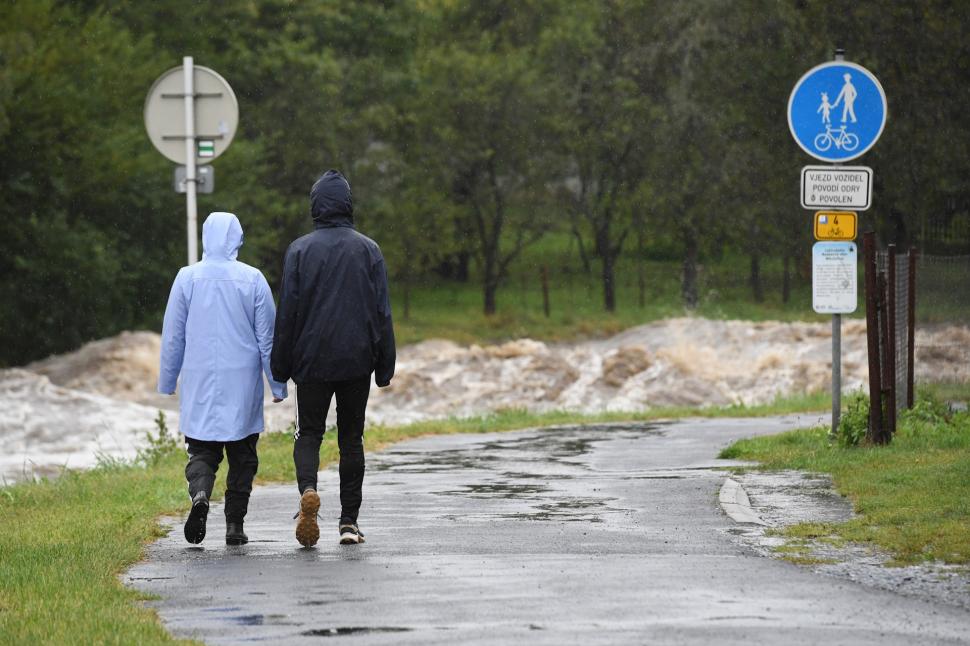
{"x":835,"y":225}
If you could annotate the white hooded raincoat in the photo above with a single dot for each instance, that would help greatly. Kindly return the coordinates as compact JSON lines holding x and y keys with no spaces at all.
{"x":218,"y":334}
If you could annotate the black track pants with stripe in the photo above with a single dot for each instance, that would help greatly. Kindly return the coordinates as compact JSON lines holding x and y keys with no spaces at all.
{"x":312,"y":404}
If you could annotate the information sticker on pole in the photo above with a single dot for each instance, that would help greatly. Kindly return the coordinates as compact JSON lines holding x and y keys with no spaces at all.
{"x":835,"y":283}
{"x":835,"y":225}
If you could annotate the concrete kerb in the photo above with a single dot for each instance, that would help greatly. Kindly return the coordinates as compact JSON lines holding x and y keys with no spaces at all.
{"x":735,"y":503}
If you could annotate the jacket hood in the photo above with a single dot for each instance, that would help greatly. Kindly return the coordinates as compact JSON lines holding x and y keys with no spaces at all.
{"x":331,"y":201}
{"x":222,"y":235}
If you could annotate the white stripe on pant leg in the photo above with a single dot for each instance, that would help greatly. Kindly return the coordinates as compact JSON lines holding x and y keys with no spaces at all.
{"x":296,"y":402}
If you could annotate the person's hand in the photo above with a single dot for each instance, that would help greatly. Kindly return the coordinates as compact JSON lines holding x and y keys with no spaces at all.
{"x":277,"y":400}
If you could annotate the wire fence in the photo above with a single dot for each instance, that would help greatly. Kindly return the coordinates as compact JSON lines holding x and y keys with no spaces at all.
{"x":898,"y":287}
{"x":942,"y":307}
{"x":943,"y":318}
{"x":943,"y":289}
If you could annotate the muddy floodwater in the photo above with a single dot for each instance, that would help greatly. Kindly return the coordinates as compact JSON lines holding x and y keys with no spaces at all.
{"x":100,"y":400}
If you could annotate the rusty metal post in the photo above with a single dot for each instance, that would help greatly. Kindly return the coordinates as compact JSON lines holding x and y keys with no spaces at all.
{"x":544,"y":277}
{"x":872,"y":337}
{"x":886,"y":376}
{"x":911,"y":333}
{"x":891,"y":339}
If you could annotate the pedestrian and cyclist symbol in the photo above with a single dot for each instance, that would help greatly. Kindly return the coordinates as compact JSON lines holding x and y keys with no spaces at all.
{"x":842,"y":128}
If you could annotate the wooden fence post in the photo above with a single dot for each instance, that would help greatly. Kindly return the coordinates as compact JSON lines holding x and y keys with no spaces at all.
{"x":544,"y":276}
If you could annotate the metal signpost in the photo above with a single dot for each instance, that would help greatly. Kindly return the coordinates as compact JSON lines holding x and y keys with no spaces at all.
{"x":191,"y":115}
{"x":836,"y":113}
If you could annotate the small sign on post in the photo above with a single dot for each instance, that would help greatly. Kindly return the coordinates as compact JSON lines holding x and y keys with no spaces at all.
{"x":205,"y":179}
{"x":835,"y":225}
{"x":840,"y":187}
{"x":835,"y":284}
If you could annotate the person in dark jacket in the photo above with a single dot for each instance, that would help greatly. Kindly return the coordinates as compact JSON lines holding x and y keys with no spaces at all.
{"x":333,"y":329}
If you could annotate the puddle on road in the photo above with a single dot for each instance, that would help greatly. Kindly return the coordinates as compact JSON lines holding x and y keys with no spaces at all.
{"x":496,"y":490}
{"x":263,"y":620}
{"x":353,"y":630}
{"x":413,"y":462}
{"x":521,"y":475}
{"x":540,"y":475}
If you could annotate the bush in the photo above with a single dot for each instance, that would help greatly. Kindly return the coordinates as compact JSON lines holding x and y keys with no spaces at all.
{"x":854,"y":421}
{"x":927,"y":409}
{"x":161,"y":444}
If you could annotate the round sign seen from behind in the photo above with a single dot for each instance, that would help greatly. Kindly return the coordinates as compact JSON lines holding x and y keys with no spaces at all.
{"x":837,"y":111}
{"x":216,"y":114}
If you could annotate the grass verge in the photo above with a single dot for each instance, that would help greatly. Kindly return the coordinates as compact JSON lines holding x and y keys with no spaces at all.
{"x":63,"y":542}
{"x":912,"y":497}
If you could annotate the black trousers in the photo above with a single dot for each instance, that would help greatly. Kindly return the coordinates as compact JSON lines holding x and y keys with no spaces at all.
{"x":312,"y":404}
{"x":204,"y":459}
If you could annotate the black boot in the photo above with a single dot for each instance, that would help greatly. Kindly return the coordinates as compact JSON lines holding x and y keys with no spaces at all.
{"x":195,"y":523}
{"x":235,"y":534}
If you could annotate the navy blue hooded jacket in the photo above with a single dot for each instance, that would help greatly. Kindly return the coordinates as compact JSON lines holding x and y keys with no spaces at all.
{"x":334,"y":317}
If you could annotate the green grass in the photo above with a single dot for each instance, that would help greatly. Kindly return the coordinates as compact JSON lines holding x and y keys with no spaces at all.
{"x":453,"y":310}
{"x":63,"y":542}
{"x":948,"y":391}
{"x":912,"y":497}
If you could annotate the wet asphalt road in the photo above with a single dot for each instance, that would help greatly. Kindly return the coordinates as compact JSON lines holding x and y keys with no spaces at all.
{"x":602,"y":535}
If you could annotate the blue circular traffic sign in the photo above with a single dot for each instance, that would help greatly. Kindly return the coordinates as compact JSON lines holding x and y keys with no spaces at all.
{"x":837,"y":111}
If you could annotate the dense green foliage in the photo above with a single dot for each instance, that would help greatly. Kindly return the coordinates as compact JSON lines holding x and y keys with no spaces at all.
{"x":912,"y":496}
{"x":470,"y":131}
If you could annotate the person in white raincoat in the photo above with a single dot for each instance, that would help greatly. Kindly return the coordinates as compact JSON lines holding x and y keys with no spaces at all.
{"x":218,"y":334}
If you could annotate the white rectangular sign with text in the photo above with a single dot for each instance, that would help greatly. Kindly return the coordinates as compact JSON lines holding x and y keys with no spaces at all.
{"x":835,"y":277}
{"x":837,"y":187}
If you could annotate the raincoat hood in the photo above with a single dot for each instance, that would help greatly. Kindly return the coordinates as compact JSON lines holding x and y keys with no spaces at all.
{"x":331,"y":202}
{"x":222,"y":235}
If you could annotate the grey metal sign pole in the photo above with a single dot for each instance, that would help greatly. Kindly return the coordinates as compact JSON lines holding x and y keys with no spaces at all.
{"x":191,"y":210}
{"x":837,"y":345}
{"x":836,"y":373}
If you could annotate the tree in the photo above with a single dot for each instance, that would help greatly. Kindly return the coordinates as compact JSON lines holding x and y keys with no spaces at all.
{"x":482,"y":106}
{"x":759,"y":196}
{"x":408,"y":214}
{"x":600,"y":57}
{"x":689,"y":173}
{"x":81,"y":232}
